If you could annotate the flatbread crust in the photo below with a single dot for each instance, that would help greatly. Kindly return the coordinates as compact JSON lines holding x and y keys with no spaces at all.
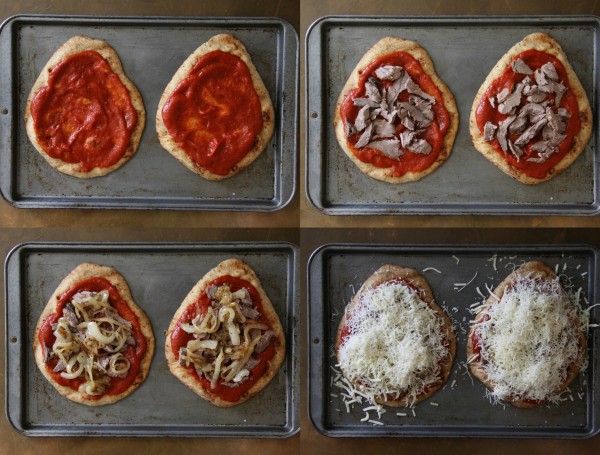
{"x":81,"y":273}
{"x":74,"y":46}
{"x":545,"y":43}
{"x":533,"y":269}
{"x":230,"y":44}
{"x":384,"y":47}
{"x":238,"y":269}
{"x":387,"y":273}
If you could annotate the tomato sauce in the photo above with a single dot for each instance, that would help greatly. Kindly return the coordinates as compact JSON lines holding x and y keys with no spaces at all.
{"x":84,"y":115}
{"x":180,"y":338}
{"x":214,"y":115}
{"x":133,"y":353}
{"x":486,"y":113}
{"x":434,"y":133}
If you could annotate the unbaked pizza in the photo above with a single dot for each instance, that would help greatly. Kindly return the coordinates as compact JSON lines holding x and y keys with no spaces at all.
{"x":83,"y":114}
{"x":531,"y":117}
{"x":395,"y":118}
{"x":394,"y":343}
{"x":92,"y":342}
{"x":225,"y":341}
{"x":526,"y":343}
{"x":216,"y":116}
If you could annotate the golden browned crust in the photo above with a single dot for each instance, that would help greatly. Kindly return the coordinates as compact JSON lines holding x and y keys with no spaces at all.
{"x":239,"y":269}
{"x":384,"y":47}
{"x":226,"y":43}
{"x":81,"y":273}
{"x":532,"y":269}
{"x":388,"y":273}
{"x":74,"y":46}
{"x":545,"y":43}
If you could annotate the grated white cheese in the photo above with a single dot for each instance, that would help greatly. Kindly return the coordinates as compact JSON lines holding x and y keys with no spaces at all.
{"x":529,"y":340}
{"x":431,"y":269}
{"x":395,"y":343}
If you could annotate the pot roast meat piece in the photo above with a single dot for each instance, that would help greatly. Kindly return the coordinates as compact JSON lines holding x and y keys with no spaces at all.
{"x":503,"y":130}
{"x":264,"y":341}
{"x":211,"y":292}
{"x":372,"y":91}
{"x":500,"y":97}
{"x":531,"y":132}
{"x":512,"y":101}
{"x":363,"y":119}
{"x":383,"y":128}
{"x":519,"y":66}
{"x":249,"y":312}
{"x":389,"y":147}
{"x":389,"y":72}
{"x":518,"y":125}
{"x":555,"y":121}
{"x":406,"y":137}
{"x":60,"y":366}
{"x":349,"y":129}
{"x":360,"y":102}
{"x":420,"y":146}
{"x":251,"y":363}
{"x":414,"y":88}
{"x":365,"y":137}
{"x":550,"y":71}
{"x":492,"y":101}
{"x":70,"y":316}
{"x":489,"y":131}
{"x":515,"y":149}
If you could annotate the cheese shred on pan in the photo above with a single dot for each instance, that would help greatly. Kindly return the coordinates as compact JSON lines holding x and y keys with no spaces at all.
{"x":528,"y":340}
{"x":395,"y":343}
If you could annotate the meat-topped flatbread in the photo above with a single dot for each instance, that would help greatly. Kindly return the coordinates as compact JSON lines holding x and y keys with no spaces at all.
{"x":395,"y":118}
{"x":92,"y":342}
{"x":394,"y":343}
{"x":216,"y":116}
{"x":225,"y":341}
{"x":526,"y":343}
{"x":531,"y":117}
{"x":83,"y":114}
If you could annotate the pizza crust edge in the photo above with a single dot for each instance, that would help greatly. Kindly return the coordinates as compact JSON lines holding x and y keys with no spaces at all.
{"x":238,"y":269}
{"x":72,"y":46}
{"x":384,"y":47}
{"x":226,"y":43}
{"x":532,"y":268}
{"x":83,"y":272}
{"x":542,"y":42}
{"x":388,"y":272}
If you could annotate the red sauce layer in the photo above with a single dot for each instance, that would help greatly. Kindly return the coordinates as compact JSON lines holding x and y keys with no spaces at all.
{"x":486,"y":113}
{"x":214,"y":115}
{"x":84,"y":115}
{"x":180,"y":338}
{"x":133,"y":353}
{"x":434,"y":133}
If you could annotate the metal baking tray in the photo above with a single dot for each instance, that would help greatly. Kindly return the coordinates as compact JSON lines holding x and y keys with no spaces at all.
{"x":460,"y":408}
{"x":463,"y":50}
{"x":151,"y":49}
{"x":159,"y":276}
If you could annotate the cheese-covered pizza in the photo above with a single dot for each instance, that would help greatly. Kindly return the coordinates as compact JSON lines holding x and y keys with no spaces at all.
{"x":83,"y":114}
{"x":216,"y":116}
{"x":92,"y":342}
{"x":395,"y":118}
{"x":394,"y":343}
{"x":526,"y":343}
{"x":531,"y":117}
{"x":225,"y":341}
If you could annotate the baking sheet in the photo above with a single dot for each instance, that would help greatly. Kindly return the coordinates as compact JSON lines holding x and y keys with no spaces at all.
{"x":463,"y":50}
{"x":460,"y":408}
{"x":151,"y":50}
{"x":159,"y":276}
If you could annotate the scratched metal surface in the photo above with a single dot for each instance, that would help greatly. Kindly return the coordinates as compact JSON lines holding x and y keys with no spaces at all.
{"x":159,"y":276}
{"x":463,"y":50}
{"x":151,"y":50}
{"x":336,"y":271}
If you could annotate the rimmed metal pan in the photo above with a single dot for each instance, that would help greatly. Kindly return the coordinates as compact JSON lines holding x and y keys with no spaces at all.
{"x":457,"y":274}
{"x":464,"y":50}
{"x":151,"y":50}
{"x":159,"y":276}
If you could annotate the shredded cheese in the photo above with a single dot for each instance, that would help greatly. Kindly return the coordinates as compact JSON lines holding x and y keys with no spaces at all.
{"x":395,"y":343}
{"x":528,"y":340}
